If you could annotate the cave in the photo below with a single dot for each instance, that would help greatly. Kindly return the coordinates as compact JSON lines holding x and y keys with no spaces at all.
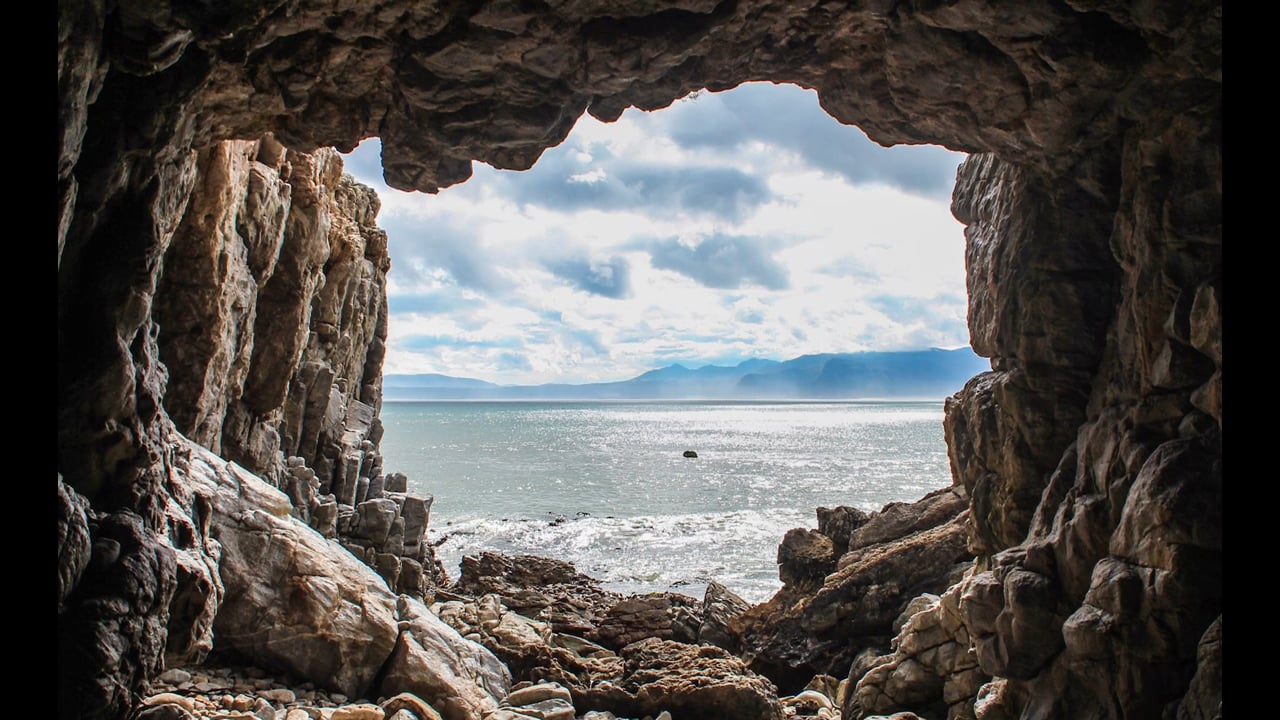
{"x":1090,"y":454}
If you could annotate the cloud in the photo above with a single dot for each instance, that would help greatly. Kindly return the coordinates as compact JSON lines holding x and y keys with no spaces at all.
{"x":420,"y":343}
{"x":607,"y":278}
{"x":587,"y":339}
{"x":751,"y":113}
{"x":562,"y":182}
{"x":438,"y":302}
{"x":734,"y":225}
{"x":722,"y":261}
{"x":508,"y":362}
{"x":417,"y":247}
{"x":909,"y":309}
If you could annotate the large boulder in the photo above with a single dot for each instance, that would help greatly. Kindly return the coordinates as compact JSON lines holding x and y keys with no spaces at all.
{"x":458,"y":677}
{"x":693,"y":681}
{"x":295,"y":602}
{"x":820,"y":627}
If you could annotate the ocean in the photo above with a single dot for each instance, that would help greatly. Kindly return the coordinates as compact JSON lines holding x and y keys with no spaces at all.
{"x":606,"y":485}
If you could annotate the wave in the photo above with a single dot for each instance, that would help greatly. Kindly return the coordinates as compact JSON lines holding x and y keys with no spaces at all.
{"x":639,"y":554}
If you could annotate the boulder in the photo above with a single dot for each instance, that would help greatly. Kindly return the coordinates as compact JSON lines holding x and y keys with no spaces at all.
{"x":295,"y":602}
{"x":458,"y":677}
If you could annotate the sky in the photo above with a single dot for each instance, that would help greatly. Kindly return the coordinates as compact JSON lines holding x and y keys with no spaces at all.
{"x":728,"y":226}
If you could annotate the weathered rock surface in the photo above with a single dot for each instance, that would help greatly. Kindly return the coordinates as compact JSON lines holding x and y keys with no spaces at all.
{"x":720,"y":607}
{"x":458,"y":677}
{"x":932,"y":668}
{"x":807,"y":629}
{"x":688,"y":680}
{"x":295,"y":602}
{"x":549,"y":590}
{"x":1093,"y":247}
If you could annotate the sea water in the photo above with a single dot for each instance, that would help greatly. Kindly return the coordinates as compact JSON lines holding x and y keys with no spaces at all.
{"x":606,"y":485}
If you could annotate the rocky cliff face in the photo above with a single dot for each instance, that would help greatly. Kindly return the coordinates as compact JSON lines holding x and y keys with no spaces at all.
{"x":217,"y":284}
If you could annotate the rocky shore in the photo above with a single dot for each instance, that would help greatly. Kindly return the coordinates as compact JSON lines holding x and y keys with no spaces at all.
{"x":309,"y":622}
{"x":526,"y":637}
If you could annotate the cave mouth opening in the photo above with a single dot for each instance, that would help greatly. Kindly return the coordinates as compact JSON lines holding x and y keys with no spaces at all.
{"x":730,"y":227}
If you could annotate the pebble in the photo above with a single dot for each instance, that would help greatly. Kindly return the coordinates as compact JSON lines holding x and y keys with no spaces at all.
{"x":263,"y":709}
{"x":174,"y":676}
{"x":363,"y":711}
{"x":173,"y":698}
{"x":538,"y":693}
{"x":283,"y":696}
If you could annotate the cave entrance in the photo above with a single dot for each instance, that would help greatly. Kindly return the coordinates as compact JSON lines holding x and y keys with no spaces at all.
{"x":741,"y":226}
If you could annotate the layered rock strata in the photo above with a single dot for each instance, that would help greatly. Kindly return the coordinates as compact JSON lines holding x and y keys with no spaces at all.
{"x":272,"y":319}
{"x":1091,"y":454}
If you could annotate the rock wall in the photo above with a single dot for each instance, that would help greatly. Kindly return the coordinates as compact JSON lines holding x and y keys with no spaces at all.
{"x":1091,"y":453}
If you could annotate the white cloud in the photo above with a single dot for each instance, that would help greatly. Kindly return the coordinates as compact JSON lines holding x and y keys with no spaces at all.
{"x":511,"y":278}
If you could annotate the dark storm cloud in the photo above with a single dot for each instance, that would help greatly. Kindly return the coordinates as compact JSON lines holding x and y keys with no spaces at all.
{"x":607,"y":278}
{"x":560,"y":182}
{"x":444,"y":246}
{"x":790,"y":117}
{"x":722,"y":261}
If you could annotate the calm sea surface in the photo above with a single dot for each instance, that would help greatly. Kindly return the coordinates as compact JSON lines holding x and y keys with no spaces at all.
{"x":606,"y":486}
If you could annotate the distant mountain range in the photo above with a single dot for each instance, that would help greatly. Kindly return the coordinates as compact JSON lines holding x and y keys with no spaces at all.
{"x":919,"y":374}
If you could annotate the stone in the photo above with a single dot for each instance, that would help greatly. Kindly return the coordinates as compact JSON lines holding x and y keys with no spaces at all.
{"x":167,"y":711}
{"x":1203,"y":700}
{"x":537,"y":693}
{"x":416,"y":512}
{"x":838,"y":523}
{"x":552,"y":591}
{"x":264,"y":710}
{"x":73,"y":539}
{"x":174,"y":676}
{"x":820,"y":629}
{"x":279,"y":695}
{"x":396,"y":482}
{"x":699,"y":681}
{"x":359,"y":711}
{"x":431,"y":660}
{"x":170,"y":698}
{"x":719,"y":608}
{"x":549,"y":709}
{"x":669,"y":616}
{"x":409,"y":703}
{"x":805,"y":558}
{"x":295,"y":602}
